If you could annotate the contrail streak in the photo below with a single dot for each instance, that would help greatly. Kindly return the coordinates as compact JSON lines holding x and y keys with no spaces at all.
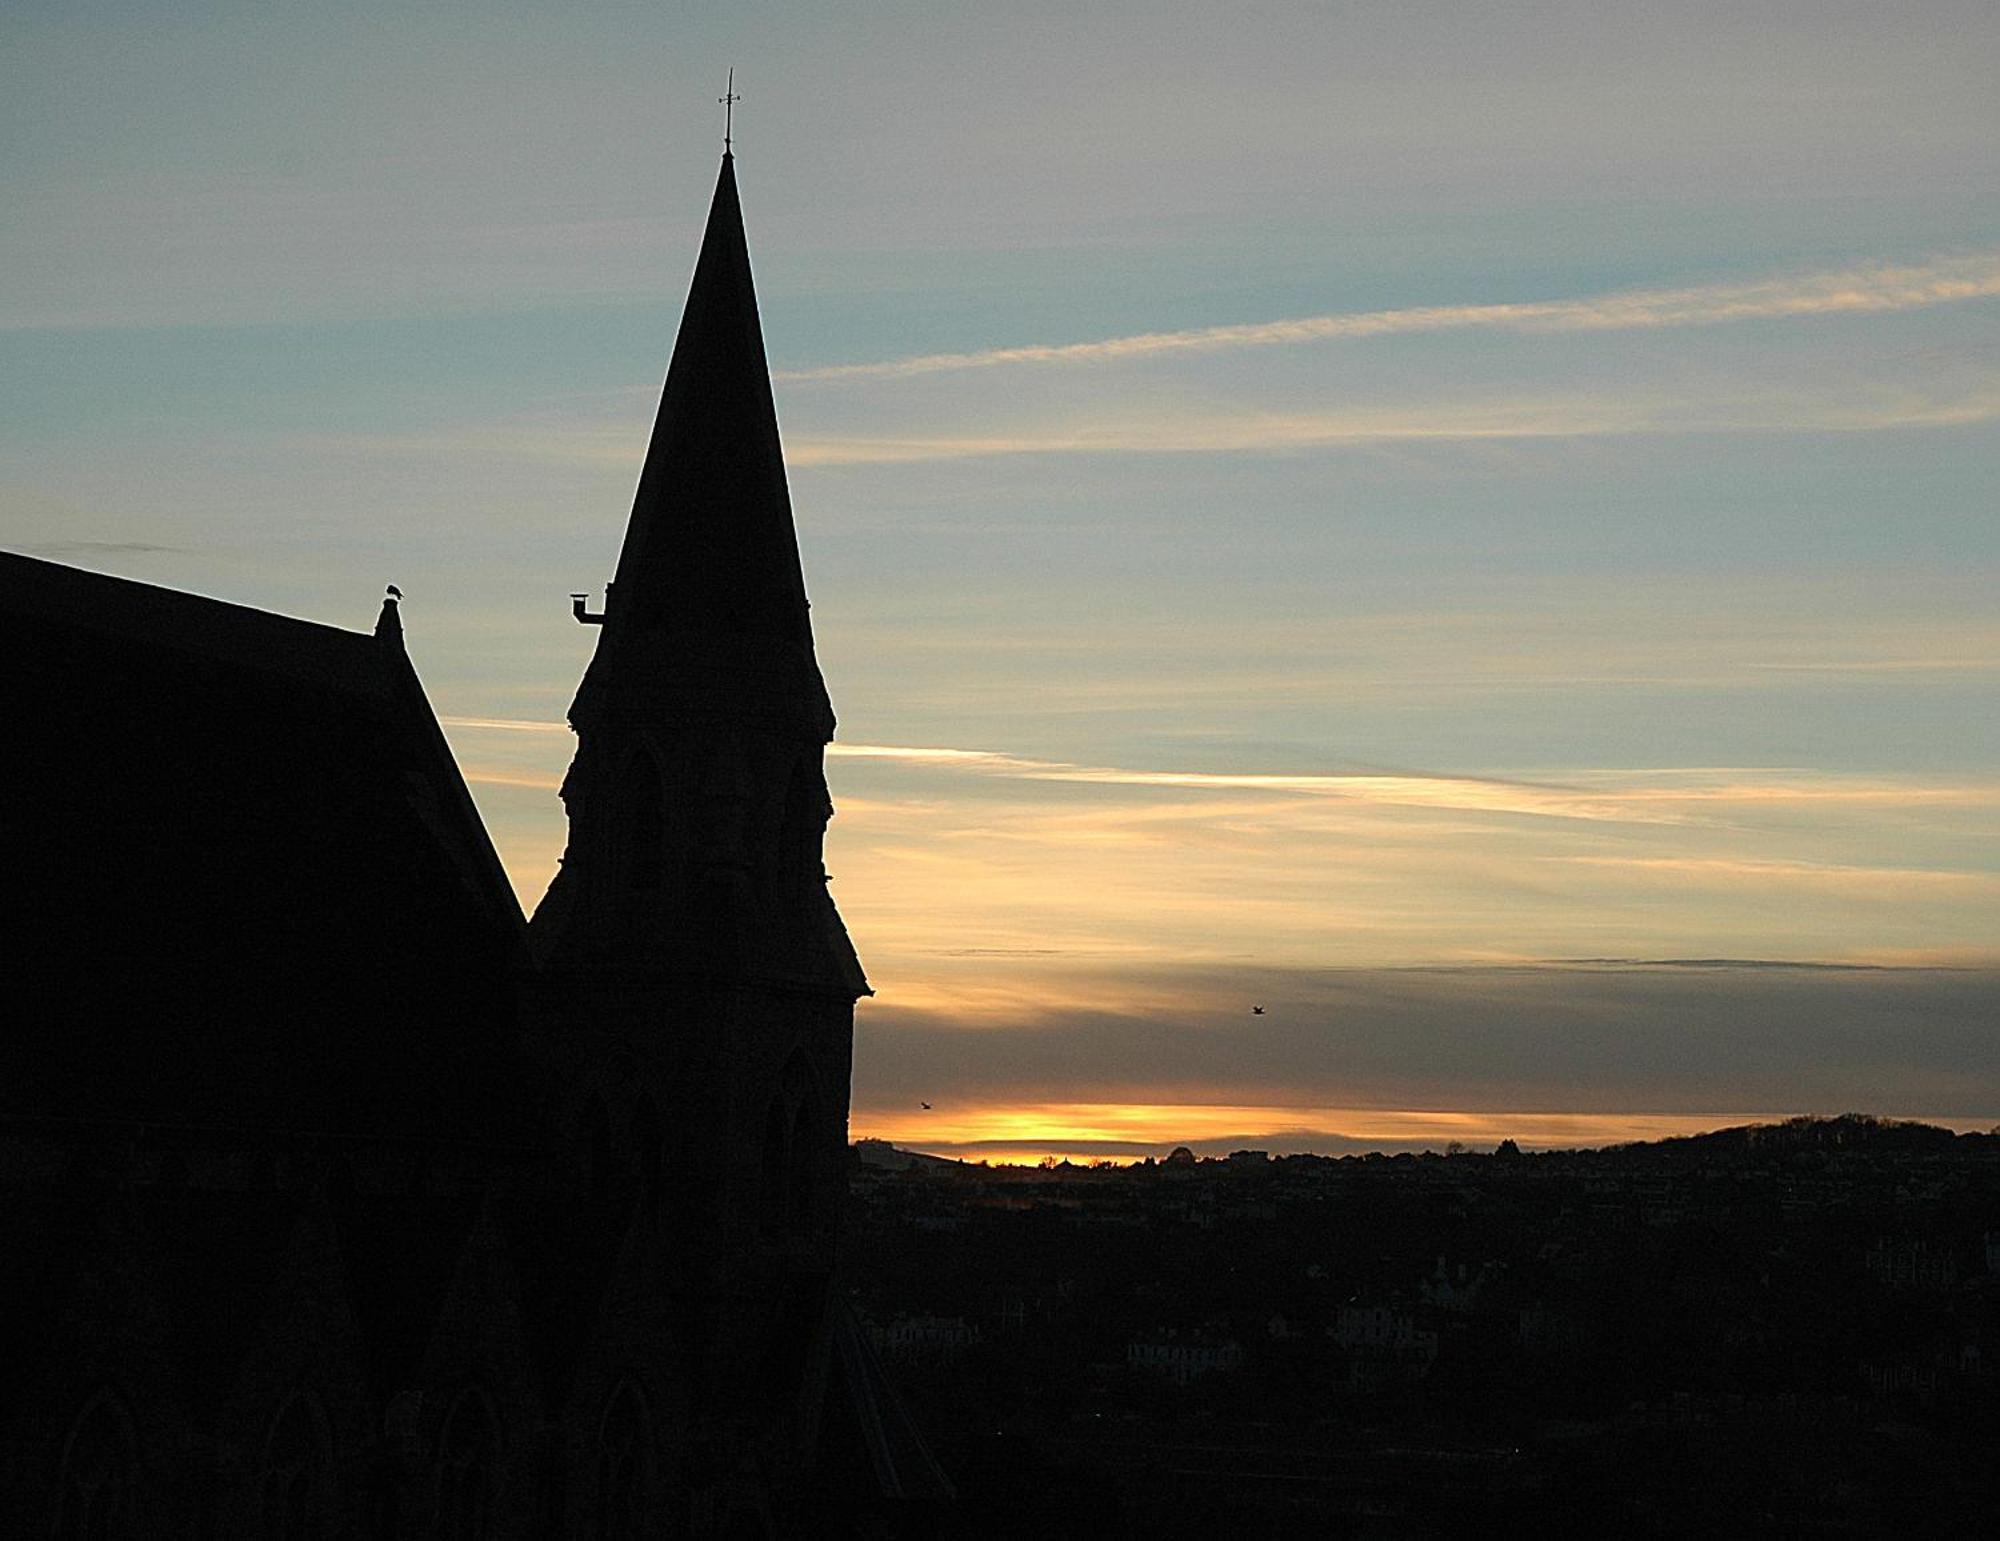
{"x":1849,"y":291}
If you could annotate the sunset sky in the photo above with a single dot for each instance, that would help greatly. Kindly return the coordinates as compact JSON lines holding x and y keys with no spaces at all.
{"x":1471,"y":527}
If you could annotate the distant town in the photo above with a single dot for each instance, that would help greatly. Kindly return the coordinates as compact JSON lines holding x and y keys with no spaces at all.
{"x":1787,"y":1328}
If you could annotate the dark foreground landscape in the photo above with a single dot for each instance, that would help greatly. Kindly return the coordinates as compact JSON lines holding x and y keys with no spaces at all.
{"x":1784,"y":1330}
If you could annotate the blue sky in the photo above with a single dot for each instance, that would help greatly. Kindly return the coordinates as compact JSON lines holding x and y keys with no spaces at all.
{"x":1332,"y":488}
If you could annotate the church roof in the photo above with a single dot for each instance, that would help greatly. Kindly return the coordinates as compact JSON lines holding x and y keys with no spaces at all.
{"x":246,"y":885}
{"x":708,"y":607}
{"x":867,"y":1433}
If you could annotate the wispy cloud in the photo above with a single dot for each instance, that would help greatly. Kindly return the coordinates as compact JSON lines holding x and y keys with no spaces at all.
{"x":1226,"y":432}
{"x":1875,"y":791}
{"x":505,"y":724}
{"x":1833,"y":875}
{"x":1419,"y":789}
{"x":1643,"y":796}
{"x":961,"y":759}
{"x":1117,"y":426}
{"x":1982,"y":665}
{"x":1337,"y":1049}
{"x":1639,"y":795}
{"x":1484,"y":794}
{"x":1064,"y":861}
{"x":1848,"y":291}
{"x":480,"y":776}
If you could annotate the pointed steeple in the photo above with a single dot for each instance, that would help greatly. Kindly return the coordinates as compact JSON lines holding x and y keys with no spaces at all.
{"x":709,"y":605}
{"x":697,"y":798}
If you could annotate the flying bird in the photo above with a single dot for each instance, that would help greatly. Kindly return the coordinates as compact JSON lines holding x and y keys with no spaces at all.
{"x":1256,"y":1011}
{"x":925,"y":1106}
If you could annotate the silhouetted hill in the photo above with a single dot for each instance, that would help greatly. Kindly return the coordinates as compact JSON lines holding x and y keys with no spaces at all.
{"x":1849,"y":1132}
{"x":1779,"y":1329}
{"x":893,"y":1158}
{"x":1846,"y":1131}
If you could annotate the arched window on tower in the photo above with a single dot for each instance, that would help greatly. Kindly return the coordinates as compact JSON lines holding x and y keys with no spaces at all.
{"x":646,"y":1154}
{"x":640,"y":835}
{"x":98,"y":1496}
{"x":468,"y":1471}
{"x":603,"y":1170}
{"x":801,"y":1178}
{"x":790,"y":1156}
{"x":773,"y":1166}
{"x":797,"y":868}
{"x":624,"y":1468}
{"x":292,"y":1492}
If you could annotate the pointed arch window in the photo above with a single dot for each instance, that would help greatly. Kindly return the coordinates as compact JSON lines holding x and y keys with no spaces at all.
{"x":99,"y":1495}
{"x":802,"y":1168}
{"x":773,"y":1166}
{"x":797,"y":868}
{"x":791,"y":1155}
{"x":624,"y":1468}
{"x":292,"y":1491}
{"x":468,"y":1471}
{"x":602,"y":1157}
{"x":641,"y":831}
{"x":646,"y":1153}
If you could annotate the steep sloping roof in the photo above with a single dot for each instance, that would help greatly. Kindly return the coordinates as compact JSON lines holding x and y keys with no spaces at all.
{"x":244,"y":882}
{"x":708,"y":606}
{"x":867,"y":1437}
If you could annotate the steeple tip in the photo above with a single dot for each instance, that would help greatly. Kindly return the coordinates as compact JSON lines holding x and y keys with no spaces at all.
{"x":727,"y":102}
{"x":708,"y":589}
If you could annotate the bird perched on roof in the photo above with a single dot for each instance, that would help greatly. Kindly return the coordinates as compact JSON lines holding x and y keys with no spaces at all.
{"x":398,"y":593}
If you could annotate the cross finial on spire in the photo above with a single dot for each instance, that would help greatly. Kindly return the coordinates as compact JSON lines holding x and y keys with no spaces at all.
{"x":728,"y":99}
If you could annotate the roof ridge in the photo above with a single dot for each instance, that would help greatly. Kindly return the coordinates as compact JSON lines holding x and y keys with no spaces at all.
{"x":159,"y":592}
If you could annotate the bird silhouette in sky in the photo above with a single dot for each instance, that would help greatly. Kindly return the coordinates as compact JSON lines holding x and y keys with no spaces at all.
{"x":925,"y":1106}
{"x":395,"y":591}
{"x":1256,"y":1011}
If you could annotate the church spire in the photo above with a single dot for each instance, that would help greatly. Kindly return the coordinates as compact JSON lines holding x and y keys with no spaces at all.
{"x":709,"y":598}
{"x":697,"y":799}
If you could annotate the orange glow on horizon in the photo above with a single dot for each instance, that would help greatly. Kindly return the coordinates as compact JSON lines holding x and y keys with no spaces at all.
{"x":1087,"y":1131}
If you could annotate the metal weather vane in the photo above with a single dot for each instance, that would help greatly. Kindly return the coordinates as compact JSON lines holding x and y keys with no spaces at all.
{"x":728,"y":101}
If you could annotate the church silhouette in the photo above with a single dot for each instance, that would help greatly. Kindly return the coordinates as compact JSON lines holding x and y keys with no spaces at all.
{"x":342,"y":1201}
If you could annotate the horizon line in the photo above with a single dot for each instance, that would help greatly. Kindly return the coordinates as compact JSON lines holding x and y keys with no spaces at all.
{"x":1088,"y":1138}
